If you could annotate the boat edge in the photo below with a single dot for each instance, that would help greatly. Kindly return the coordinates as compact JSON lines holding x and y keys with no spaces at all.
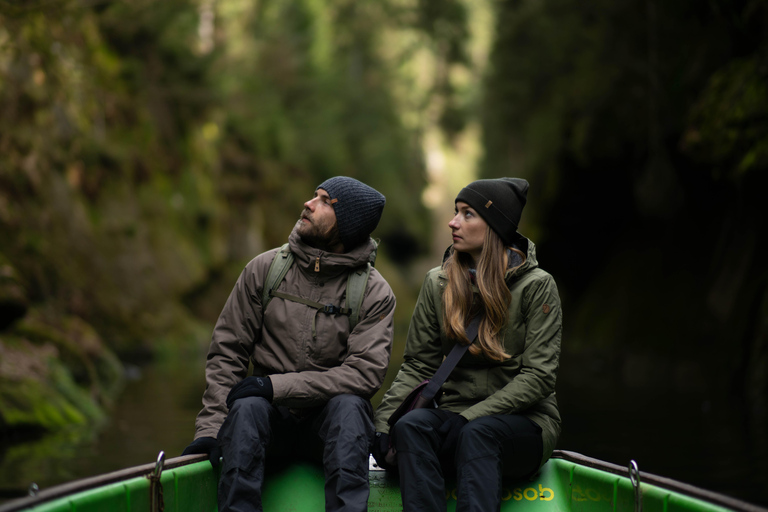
{"x":670,"y":484}
{"x":85,"y":484}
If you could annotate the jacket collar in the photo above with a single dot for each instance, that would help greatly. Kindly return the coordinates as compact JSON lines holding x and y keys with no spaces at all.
{"x":318,"y":263}
{"x":523,"y":244}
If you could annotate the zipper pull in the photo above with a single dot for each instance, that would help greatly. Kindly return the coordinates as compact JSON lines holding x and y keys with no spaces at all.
{"x":317,"y":264}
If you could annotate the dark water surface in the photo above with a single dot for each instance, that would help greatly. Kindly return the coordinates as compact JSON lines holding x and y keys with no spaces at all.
{"x":682,"y":435}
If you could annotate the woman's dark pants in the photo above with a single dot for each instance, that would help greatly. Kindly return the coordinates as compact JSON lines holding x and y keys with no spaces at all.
{"x":487,"y":448}
{"x":255,"y":431}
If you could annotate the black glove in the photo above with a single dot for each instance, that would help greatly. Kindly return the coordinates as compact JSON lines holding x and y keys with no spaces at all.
{"x":207,"y":445}
{"x":380,"y":448}
{"x":450,"y":429}
{"x":250,"y":386}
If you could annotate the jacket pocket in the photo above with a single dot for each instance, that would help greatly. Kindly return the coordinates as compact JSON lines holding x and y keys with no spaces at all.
{"x":460,"y":387}
{"x":329,"y":348}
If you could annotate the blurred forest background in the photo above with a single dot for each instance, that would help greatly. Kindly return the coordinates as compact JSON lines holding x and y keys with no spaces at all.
{"x":149,"y":149}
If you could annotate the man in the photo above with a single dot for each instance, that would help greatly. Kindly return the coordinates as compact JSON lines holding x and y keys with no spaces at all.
{"x":316,"y":360}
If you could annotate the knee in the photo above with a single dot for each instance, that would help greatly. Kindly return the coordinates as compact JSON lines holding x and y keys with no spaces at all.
{"x":250,"y":404}
{"x":477,"y":439}
{"x":349,"y":417}
{"x":348,"y":404}
{"x":478,"y":429}
{"x":408,"y":424}
{"x":414,"y":427}
{"x":249,"y":409}
{"x":245,"y":432}
{"x":418,"y":419}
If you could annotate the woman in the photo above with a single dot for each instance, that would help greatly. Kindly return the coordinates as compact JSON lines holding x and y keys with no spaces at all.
{"x":497,"y":413}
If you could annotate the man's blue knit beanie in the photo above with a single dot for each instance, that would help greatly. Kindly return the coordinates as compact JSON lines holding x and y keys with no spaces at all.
{"x":358,"y":208}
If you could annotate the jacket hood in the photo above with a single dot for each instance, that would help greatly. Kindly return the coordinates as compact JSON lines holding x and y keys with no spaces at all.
{"x":320,"y":263}
{"x":529,"y":249}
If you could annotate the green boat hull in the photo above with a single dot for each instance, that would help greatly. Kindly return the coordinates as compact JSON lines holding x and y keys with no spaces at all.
{"x":567,"y":482}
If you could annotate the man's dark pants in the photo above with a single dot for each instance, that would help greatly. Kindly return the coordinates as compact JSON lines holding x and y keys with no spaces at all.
{"x":256,"y":434}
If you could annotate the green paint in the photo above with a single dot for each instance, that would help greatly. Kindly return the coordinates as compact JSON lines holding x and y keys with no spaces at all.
{"x":560,"y":486}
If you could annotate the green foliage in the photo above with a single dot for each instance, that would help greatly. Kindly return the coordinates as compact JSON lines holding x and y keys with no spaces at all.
{"x":148,"y":150}
{"x":312,"y":101}
{"x":728,"y":128}
{"x":151,"y":155}
{"x":80,"y":163}
{"x":50,"y":399}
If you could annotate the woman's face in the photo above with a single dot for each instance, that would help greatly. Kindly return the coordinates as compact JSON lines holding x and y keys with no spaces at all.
{"x":468,"y":230}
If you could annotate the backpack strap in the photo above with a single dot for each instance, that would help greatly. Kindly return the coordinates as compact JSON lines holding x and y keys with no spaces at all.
{"x":277,"y":270}
{"x":328,"y":309}
{"x":357,"y":281}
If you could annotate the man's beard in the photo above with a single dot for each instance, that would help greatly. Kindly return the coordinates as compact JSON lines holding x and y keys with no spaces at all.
{"x":319,"y":236}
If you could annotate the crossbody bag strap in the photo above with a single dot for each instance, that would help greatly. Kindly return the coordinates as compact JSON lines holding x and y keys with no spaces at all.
{"x":450,"y":362}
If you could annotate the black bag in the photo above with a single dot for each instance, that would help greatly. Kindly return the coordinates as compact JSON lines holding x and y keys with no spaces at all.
{"x":414,"y":400}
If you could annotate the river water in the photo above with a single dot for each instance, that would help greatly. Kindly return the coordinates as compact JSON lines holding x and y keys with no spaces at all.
{"x":682,"y":434}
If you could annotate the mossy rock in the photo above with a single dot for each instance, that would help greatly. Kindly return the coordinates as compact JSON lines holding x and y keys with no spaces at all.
{"x":36,"y":389}
{"x":55,"y":373}
{"x":90,"y":362}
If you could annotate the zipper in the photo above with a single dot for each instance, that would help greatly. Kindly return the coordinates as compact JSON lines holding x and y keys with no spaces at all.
{"x":314,"y":318}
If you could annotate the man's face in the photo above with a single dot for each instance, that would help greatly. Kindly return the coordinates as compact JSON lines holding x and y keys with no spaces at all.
{"x":317,"y":226}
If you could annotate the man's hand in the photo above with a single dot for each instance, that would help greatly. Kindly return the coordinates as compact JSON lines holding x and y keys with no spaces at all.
{"x":207,"y":445}
{"x":250,"y":386}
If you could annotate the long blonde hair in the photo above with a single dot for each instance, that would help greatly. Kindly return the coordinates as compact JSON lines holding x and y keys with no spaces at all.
{"x":494,"y":298}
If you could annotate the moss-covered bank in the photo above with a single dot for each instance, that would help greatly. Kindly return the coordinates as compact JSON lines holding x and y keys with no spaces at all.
{"x":55,"y":370}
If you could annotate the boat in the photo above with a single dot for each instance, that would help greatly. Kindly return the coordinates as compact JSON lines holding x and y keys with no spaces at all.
{"x":568,"y":482}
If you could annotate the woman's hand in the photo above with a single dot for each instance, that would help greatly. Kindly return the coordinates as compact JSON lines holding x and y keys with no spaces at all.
{"x":379,"y":450}
{"x":450,"y":429}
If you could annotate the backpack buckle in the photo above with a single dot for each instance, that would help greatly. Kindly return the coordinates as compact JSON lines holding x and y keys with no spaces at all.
{"x":330,"y":309}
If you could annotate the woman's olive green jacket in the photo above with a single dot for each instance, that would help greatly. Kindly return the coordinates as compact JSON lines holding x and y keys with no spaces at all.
{"x":523,"y":384}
